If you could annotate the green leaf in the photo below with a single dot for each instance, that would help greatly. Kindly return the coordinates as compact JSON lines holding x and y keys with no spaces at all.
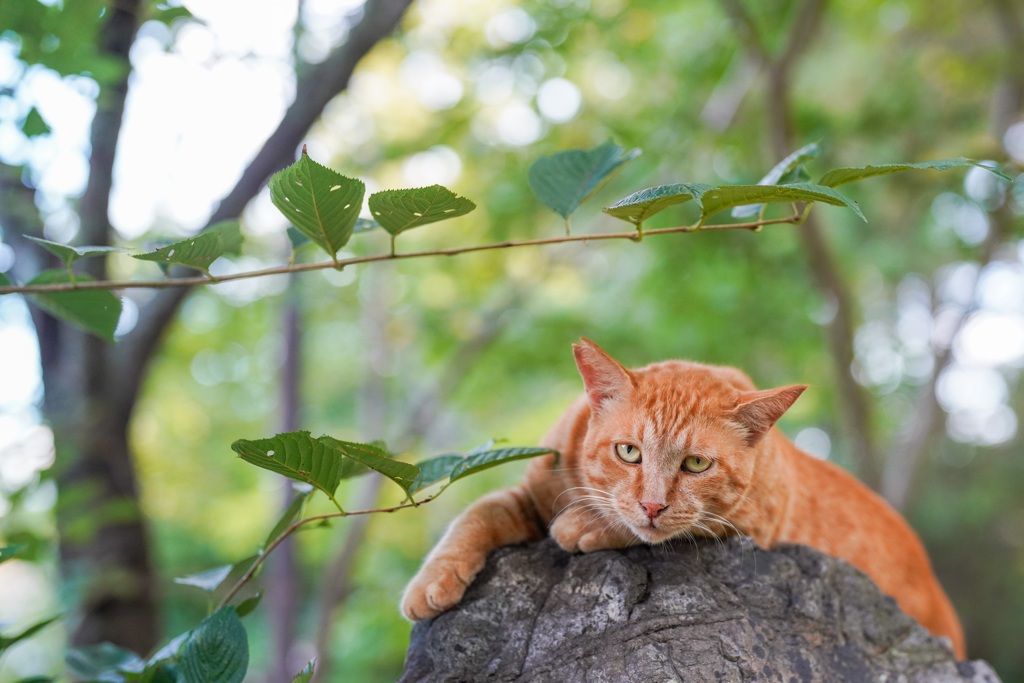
{"x":7,"y":641}
{"x":454,"y":466}
{"x":200,"y":251}
{"x":103,"y":662}
{"x":306,"y":675}
{"x":402,"y":473}
{"x":217,"y":650}
{"x":478,"y":462}
{"x":96,"y":311}
{"x":249,"y":604}
{"x":69,"y":254}
{"x":564,"y":180}
{"x":321,"y":203}
{"x":4,"y":280}
{"x":434,"y":470}
{"x":787,"y":167}
{"x":299,"y":456}
{"x":160,"y":672}
{"x":639,"y":206}
{"x":841,"y":176}
{"x":399,"y":210}
{"x":289,"y":517}
{"x":726,"y":196}
{"x":9,"y":552}
{"x":206,"y":580}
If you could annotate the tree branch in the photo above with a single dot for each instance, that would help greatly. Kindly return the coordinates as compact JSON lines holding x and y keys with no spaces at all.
{"x":320,"y":85}
{"x":186,"y":282}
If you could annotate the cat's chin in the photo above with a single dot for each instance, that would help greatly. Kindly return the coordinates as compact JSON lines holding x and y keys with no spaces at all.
{"x":651,"y":535}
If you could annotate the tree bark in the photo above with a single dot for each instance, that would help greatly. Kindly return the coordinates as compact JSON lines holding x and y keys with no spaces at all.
{"x":708,"y":611}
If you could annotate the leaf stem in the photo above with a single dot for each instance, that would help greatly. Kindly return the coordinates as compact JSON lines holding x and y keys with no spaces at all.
{"x":295,"y":526}
{"x":341,"y":263}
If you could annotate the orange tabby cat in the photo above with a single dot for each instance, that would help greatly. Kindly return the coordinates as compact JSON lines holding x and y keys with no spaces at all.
{"x":680,"y":449}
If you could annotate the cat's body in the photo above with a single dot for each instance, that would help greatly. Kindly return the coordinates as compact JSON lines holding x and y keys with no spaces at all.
{"x":674,"y":450}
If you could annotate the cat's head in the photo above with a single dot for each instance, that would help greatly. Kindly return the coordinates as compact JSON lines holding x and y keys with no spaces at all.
{"x":672,"y":446}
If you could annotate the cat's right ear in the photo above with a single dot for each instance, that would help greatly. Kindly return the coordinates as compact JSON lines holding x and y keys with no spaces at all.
{"x":603,"y":376}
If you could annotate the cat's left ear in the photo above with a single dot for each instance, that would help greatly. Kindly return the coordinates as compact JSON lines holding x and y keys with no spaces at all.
{"x":757,"y":411}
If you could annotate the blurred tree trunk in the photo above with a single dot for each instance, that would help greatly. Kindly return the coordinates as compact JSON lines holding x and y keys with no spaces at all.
{"x":91,"y":387}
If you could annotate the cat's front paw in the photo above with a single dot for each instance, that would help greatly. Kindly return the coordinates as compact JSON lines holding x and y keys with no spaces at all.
{"x":585,"y":533}
{"x":438,"y":586}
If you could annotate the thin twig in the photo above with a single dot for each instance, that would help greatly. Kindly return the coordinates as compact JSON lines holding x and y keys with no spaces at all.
{"x":343,"y":263}
{"x":295,"y":526}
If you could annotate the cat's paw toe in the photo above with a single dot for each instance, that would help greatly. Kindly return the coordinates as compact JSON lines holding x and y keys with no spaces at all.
{"x":435,"y":591}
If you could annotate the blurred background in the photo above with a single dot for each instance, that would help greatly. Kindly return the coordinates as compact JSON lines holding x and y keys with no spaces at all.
{"x":131,"y":122}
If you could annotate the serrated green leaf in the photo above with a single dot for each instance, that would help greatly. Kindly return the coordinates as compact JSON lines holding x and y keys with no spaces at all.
{"x":399,"y":210}
{"x":453,"y":466}
{"x":288,"y":517}
{"x":8,"y":641}
{"x":377,"y":459}
{"x":786,"y":167}
{"x":564,"y":180}
{"x":69,"y":254}
{"x":841,"y":176}
{"x":321,"y":203}
{"x":103,"y":662}
{"x":200,"y":251}
{"x":217,"y":650}
{"x":639,"y":206}
{"x":478,"y":462}
{"x":306,"y":675}
{"x":299,"y":456}
{"x":434,"y":470}
{"x":727,"y":196}
{"x":9,"y":552}
{"x":96,"y":311}
{"x":206,"y":580}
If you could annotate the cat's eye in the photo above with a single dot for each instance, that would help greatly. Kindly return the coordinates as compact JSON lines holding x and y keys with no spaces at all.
{"x":627,"y":453}
{"x":696,"y":464}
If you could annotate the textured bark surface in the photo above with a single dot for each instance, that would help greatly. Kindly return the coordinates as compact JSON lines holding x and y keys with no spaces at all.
{"x":711,"y":612}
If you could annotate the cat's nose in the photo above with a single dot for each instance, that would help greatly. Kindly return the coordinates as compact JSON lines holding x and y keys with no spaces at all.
{"x":653,"y":509}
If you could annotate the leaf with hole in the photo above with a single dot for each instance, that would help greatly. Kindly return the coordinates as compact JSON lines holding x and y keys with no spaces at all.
{"x":727,"y":196}
{"x":299,"y":456}
{"x":399,"y":210}
{"x":95,"y":311}
{"x":841,"y":176}
{"x":7,"y":641}
{"x":790,"y":168}
{"x":321,"y":203}
{"x":202,"y":250}
{"x":69,"y":254}
{"x":639,"y":206}
{"x":564,"y":180}
{"x":216,"y":650}
{"x":368,"y":455}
